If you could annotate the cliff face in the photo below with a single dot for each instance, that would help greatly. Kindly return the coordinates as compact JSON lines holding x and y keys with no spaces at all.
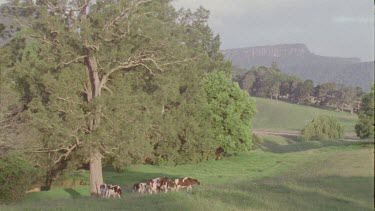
{"x":269,"y":51}
{"x":297,"y":59}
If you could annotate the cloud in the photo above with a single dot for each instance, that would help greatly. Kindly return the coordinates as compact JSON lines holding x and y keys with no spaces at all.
{"x":352,"y":19}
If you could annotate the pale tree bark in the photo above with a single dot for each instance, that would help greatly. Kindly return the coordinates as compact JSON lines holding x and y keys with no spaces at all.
{"x":96,"y":176}
{"x":93,"y":91}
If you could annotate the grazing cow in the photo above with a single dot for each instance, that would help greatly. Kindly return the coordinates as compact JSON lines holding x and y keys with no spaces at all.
{"x":103,"y":190}
{"x":170,"y":185}
{"x":186,"y":182}
{"x":107,"y":191}
{"x":154,"y":185}
{"x":140,"y":187}
{"x":165,"y":184}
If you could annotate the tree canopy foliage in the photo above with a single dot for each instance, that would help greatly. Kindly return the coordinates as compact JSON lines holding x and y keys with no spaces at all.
{"x":270,"y":82}
{"x":120,"y":81}
{"x":16,"y":176}
{"x":230,"y":111}
{"x":365,"y":127}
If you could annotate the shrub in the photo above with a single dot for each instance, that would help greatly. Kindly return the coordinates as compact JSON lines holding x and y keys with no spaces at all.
{"x":230,"y":111}
{"x":16,"y":177}
{"x":365,"y":128}
{"x":323,"y":128}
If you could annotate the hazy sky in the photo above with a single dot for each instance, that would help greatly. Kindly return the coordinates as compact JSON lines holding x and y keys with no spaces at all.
{"x":327,"y":27}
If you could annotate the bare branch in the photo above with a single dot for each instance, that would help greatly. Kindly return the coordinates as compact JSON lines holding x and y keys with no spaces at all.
{"x":69,"y":62}
{"x":110,"y":23}
{"x":108,"y":89}
{"x":179,"y":62}
{"x":142,"y":2}
{"x":21,"y":24}
{"x":65,"y":155}
{"x":154,"y":62}
{"x":145,"y":66}
{"x":92,"y":47}
{"x":125,"y":65}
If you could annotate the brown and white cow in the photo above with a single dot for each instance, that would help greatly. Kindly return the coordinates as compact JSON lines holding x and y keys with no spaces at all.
{"x":165,"y":184}
{"x":154,"y":185}
{"x":158,"y":184}
{"x":140,"y":187}
{"x":107,"y":191}
{"x":186,"y":182}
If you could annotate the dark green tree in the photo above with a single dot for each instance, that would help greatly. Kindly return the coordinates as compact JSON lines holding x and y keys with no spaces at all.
{"x":325,"y":93}
{"x":230,"y":111}
{"x":365,"y":127}
{"x":16,"y":176}
{"x":303,"y":91}
{"x":103,"y":79}
{"x":347,"y":97}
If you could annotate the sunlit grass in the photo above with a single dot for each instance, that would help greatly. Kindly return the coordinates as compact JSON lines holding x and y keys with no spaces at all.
{"x":281,"y":174}
{"x":275,"y":115}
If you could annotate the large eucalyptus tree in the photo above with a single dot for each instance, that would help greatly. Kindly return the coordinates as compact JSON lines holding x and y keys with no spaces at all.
{"x":82,"y":62}
{"x":118,"y":81}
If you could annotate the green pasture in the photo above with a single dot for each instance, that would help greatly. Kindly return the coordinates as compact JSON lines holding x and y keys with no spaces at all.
{"x":279,"y":174}
{"x":273,"y":115}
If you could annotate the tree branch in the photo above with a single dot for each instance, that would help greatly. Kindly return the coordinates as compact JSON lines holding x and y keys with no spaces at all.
{"x":179,"y":62}
{"x":69,"y":62}
{"x":125,"y":65}
{"x":108,"y":89}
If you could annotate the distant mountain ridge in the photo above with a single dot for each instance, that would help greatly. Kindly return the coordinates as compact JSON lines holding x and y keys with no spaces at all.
{"x":297,"y":59}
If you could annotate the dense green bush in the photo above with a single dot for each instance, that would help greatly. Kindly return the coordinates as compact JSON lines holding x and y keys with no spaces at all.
{"x":16,"y":176}
{"x":323,"y":128}
{"x":365,"y":126}
{"x":230,"y":111}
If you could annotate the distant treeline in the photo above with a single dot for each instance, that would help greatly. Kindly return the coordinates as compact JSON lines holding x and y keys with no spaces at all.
{"x":270,"y":82}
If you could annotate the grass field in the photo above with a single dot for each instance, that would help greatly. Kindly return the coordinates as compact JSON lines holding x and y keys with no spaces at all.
{"x":273,"y":115}
{"x":280,"y":174}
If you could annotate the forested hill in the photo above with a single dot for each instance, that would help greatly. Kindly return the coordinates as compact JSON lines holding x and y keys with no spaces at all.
{"x":297,"y":59}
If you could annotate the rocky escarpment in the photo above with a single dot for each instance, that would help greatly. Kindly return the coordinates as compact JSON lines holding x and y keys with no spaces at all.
{"x":297,"y":59}
{"x":268,"y":51}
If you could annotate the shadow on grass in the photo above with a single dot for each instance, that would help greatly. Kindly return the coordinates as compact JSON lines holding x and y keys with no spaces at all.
{"x":73,"y":193}
{"x":298,"y":146}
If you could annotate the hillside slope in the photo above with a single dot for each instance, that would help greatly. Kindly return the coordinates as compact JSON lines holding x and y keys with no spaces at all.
{"x":297,"y":59}
{"x":278,"y":116}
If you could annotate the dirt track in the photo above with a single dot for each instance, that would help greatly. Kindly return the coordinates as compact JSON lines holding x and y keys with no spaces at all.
{"x":257,"y":132}
{"x":295,"y":134}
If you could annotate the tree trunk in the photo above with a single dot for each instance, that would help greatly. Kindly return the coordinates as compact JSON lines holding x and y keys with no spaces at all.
{"x":48,"y":181}
{"x":94,"y":89}
{"x":96,"y":176}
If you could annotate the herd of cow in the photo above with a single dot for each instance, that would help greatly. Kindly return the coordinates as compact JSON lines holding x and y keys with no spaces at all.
{"x":151,"y":186}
